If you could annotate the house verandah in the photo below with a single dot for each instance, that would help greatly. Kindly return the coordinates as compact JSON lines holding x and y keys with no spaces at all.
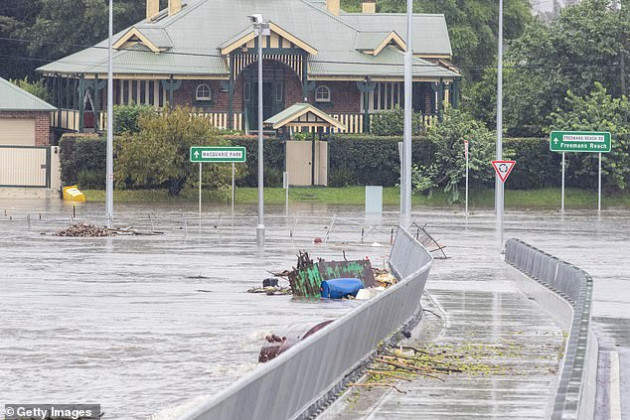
{"x":353,"y":103}
{"x":193,"y":54}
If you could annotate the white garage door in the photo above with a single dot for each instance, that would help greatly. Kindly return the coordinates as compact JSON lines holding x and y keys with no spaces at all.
{"x":17,"y":132}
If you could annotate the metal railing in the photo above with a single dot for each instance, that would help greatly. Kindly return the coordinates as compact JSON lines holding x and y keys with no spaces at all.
{"x":295,"y":383}
{"x":575,"y":397}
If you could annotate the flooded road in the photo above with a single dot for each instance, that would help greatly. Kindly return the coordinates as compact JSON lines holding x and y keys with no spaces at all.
{"x":138,"y":324}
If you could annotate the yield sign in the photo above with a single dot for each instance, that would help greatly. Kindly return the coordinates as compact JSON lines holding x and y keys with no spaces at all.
{"x":503,"y":168}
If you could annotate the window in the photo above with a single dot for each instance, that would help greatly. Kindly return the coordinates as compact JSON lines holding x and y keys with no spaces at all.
{"x":204,"y":93}
{"x":322,"y":94}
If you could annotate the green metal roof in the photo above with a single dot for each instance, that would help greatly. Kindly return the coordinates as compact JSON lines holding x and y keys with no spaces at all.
{"x":12,"y":98}
{"x":430,"y":33}
{"x":301,"y":113}
{"x":193,"y":38}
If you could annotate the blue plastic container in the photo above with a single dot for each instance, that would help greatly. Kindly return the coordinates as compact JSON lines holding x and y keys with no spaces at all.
{"x":340,"y":288}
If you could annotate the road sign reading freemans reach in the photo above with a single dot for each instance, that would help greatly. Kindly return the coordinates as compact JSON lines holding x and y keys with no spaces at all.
{"x":217,"y":154}
{"x":579,"y":141}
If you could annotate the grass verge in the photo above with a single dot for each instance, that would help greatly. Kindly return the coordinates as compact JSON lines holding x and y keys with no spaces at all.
{"x":548,"y":198}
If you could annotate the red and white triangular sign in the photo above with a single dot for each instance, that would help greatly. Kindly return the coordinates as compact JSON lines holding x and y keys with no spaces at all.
{"x":503,"y":168}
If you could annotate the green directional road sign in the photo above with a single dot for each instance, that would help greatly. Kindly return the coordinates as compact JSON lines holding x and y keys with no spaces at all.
{"x":201,"y":154}
{"x":579,"y":141}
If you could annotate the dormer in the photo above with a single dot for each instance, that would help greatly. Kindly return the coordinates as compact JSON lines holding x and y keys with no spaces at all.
{"x":374,"y":42}
{"x":155,"y":39}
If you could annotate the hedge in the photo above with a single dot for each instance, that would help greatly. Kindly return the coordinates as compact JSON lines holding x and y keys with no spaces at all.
{"x":83,"y":160}
{"x":353,"y":160}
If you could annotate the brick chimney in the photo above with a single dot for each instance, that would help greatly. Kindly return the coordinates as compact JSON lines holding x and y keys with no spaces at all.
{"x":153,"y":8}
{"x":174,"y":6}
{"x":333,"y":6}
{"x":369,"y":6}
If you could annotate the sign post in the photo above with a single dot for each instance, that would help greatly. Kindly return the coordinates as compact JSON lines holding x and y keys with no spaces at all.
{"x":564,"y":164}
{"x":466,"y":156}
{"x":212,"y":154}
{"x":285,"y":185}
{"x":581,"y":142}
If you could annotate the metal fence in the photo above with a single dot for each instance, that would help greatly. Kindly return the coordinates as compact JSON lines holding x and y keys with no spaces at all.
{"x":25,"y":166}
{"x":575,"y":398}
{"x":290,"y":385}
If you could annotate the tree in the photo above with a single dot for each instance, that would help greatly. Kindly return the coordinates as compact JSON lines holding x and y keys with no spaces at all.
{"x":34,"y":32}
{"x":597,"y":111}
{"x":448,"y":168}
{"x":34,"y":88}
{"x":158,"y":155}
{"x":580,"y":48}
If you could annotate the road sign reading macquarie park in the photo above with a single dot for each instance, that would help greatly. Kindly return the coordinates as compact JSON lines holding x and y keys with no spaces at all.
{"x":579,"y":141}
{"x":217,"y":154}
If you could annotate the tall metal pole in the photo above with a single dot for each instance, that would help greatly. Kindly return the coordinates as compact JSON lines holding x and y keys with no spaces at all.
{"x":564,"y":163}
{"x":599,"y":185}
{"x":498,"y":182}
{"x":260,"y":229}
{"x":109,"y":163}
{"x":405,"y":186}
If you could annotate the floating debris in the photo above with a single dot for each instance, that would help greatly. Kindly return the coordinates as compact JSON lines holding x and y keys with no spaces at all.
{"x":271,"y":290}
{"x":88,"y":230}
{"x":84,"y":230}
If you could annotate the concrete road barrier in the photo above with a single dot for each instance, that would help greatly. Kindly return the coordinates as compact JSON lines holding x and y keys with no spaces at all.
{"x":575,"y":397}
{"x":297,"y":383}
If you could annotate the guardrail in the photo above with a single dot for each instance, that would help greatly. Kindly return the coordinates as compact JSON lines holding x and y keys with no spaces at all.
{"x":575,"y":397}
{"x":300,"y":381}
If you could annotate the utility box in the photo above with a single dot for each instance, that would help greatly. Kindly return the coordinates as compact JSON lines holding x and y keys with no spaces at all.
{"x":373,"y":199}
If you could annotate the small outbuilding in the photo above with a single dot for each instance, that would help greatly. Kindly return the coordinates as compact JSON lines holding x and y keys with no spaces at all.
{"x":306,"y":163}
{"x":24,"y":118}
{"x":29,"y":165}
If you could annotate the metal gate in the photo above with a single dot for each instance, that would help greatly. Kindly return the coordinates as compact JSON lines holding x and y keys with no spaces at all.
{"x":307,"y":162}
{"x":25,"y":166}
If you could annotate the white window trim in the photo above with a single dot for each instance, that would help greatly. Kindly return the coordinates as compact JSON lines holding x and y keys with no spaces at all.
{"x":203,"y":98}
{"x":327,"y":89}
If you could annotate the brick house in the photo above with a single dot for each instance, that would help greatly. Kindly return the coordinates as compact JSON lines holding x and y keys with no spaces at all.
{"x":24,"y":118}
{"x":203,"y":53}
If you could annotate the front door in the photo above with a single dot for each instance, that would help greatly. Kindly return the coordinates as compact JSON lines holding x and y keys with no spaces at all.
{"x":273,"y":92}
{"x":267,"y":104}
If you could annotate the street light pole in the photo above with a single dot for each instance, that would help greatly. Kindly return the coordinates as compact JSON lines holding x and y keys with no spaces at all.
{"x":260,"y":229}
{"x":498,"y":182}
{"x":109,"y":163}
{"x":405,"y":187}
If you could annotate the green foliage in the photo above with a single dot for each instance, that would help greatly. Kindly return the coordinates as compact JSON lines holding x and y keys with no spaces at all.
{"x":370,"y":160}
{"x":82,"y":159}
{"x":392,"y":123}
{"x":36,"y":88}
{"x":597,"y":111}
{"x":126,"y":117}
{"x":158,"y":155}
{"x":447,"y":168}
{"x":273,"y":151}
{"x":581,"y":47}
{"x":36,"y":30}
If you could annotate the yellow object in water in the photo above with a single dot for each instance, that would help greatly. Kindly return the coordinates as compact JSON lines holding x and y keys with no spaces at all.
{"x":72,"y":193}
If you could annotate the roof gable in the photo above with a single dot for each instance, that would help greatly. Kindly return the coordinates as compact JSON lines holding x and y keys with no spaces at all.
{"x":12,"y":98}
{"x":247,"y":36}
{"x":303,"y":115}
{"x":374,"y":42}
{"x":155,"y":39}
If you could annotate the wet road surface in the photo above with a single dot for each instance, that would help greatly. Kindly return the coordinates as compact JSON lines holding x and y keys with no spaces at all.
{"x":142,"y":323}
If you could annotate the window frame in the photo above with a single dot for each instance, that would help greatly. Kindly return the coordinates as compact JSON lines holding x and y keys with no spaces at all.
{"x":326,"y":89}
{"x":203,"y":98}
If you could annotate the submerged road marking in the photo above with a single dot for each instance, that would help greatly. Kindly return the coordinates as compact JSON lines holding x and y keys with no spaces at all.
{"x":615,"y":400}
